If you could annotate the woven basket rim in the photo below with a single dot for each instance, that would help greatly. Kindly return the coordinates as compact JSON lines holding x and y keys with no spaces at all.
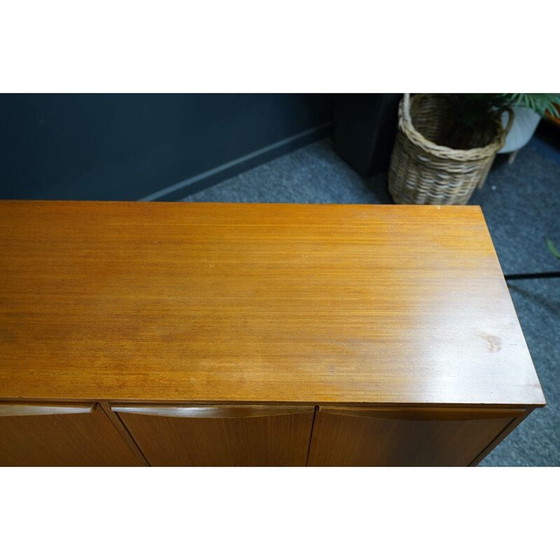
{"x":445,"y":152}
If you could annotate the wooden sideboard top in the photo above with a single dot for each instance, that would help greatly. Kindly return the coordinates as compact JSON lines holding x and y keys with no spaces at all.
{"x":147,"y":301}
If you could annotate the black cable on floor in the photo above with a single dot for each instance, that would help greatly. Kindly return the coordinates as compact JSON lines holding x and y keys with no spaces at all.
{"x":532,"y":275}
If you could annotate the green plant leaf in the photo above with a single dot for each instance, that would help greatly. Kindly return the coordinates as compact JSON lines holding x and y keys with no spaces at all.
{"x":552,"y":248}
{"x":538,"y":102}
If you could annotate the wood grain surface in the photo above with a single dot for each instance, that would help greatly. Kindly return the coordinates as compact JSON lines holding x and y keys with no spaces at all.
{"x":405,"y":436}
{"x":62,"y":438}
{"x":263,"y":303}
{"x":221,"y":411}
{"x":275,"y":440}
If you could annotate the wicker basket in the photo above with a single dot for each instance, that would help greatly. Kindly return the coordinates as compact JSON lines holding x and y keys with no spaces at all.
{"x":423,"y":171}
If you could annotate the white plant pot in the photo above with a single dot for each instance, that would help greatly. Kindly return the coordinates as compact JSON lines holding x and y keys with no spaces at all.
{"x":525,"y":122}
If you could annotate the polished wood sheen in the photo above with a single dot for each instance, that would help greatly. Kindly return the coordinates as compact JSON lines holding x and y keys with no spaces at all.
{"x":256,"y":303}
{"x":60,"y":435}
{"x":177,"y":437}
{"x":34,"y":409}
{"x":405,"y":436}
{"x":234,"y":411}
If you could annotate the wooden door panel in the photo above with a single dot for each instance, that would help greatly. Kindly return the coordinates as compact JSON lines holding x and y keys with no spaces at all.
{"x":404,"y":436}
{"x":60,"y":435}
{"x":220,"y":435}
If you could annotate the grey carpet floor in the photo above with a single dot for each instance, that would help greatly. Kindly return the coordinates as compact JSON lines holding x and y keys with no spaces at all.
{"x":521,"y":203}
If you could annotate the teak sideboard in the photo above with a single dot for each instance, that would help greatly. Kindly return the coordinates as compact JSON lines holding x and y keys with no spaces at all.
{"x":143,"y":333}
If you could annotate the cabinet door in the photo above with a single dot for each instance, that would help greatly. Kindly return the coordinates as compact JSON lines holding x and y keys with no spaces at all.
{"x":404,"y":436}
{"x":60,"y":435}
{"x":220,"y":435}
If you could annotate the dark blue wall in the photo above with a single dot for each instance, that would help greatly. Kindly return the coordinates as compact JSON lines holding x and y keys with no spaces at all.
{"x":126,"y":146}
